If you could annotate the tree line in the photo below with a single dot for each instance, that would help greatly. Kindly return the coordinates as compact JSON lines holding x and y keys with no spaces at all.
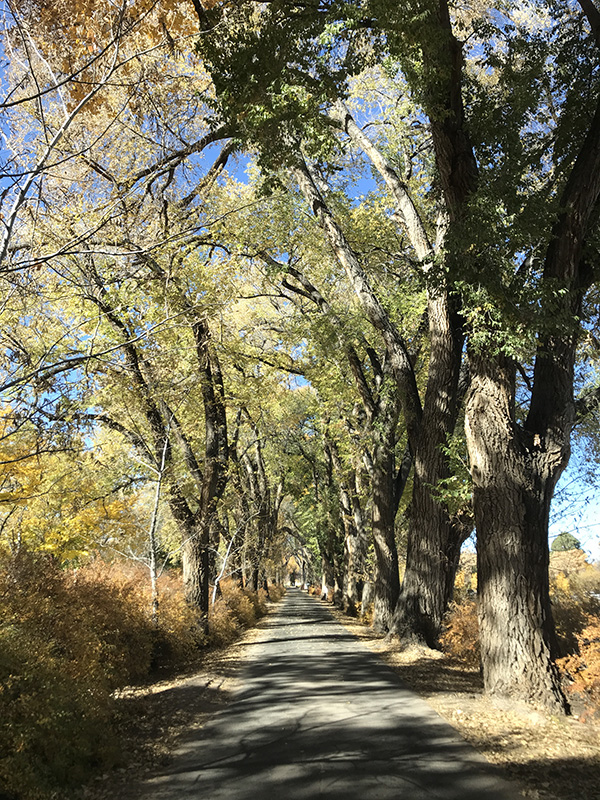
{"x":324,"y":275}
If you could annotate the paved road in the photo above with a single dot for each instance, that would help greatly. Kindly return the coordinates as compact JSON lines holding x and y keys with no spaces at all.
{"x":320,"y":716}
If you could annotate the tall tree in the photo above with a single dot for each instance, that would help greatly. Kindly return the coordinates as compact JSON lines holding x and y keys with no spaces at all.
{"x":516,"y":463}
{"x":326,"y":44}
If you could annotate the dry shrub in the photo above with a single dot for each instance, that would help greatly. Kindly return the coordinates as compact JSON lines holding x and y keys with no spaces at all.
{"x":575,"y":598}
{"x":276,"y":591}
{"x":258,"y":600}
{"x":236,"y":609}
{"x":460,"y":637}
{"x":67,"y":640}
{"x":583,"y":668}
{"x":177,"y":637}
{"x":223,"y":627}
{"x":110,"y":602}
{"x":142,"y":645}
{"x":56,"y":673}
{"x":239,"y":603}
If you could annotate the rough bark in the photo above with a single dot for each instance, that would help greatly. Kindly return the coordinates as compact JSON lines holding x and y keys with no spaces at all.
{"x":356,"y":548}
{"x":514,"y":478}
{"x":435,"y":538}
{"x":387,"y":577}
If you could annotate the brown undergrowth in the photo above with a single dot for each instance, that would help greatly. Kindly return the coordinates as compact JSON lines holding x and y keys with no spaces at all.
{"x":550,"y":758}
{"x":70,"y":640}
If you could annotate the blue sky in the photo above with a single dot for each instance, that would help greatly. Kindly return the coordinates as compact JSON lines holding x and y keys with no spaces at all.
{"x":576,"y":508}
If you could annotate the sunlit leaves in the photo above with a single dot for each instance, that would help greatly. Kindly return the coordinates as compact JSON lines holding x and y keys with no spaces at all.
{"x":54,"y":500}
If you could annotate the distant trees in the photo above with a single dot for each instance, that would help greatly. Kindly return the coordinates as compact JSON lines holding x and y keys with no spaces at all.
{"x":565,"y":541}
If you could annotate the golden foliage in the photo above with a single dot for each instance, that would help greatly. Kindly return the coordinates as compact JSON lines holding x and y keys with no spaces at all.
{"x":460,"y":637}
{"x":67,"y":640}
{"x":584,"y":667}
{"x":236,"y":609}
{"x":87,"y":40}
{"x":575,"y":598}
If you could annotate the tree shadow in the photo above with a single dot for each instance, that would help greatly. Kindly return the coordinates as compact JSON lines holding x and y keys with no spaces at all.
{"x":575,"y":778}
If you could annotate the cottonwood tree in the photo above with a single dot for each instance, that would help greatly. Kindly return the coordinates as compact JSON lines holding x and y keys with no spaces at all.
{"x":516,"y":462}
{"x":501,"y":200}
{"x":58,"y":498}
{"x":372,"y":419}
{"x":349,"y":368}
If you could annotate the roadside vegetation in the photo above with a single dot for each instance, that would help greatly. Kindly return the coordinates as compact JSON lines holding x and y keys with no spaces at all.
{"x":70,"y":638}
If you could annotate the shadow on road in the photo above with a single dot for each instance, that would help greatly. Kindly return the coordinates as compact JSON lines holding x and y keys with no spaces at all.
{"x":320,"y":716}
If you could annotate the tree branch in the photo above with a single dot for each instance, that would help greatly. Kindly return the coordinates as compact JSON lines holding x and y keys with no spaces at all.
{"x":593,"y":17}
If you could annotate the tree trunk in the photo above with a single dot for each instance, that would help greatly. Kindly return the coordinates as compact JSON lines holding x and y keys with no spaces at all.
{"x":355,"y":556}
{"x":327,"y":576}
{"x":352,"y":565}
{"x":514,"y":476}
{"x":434,"y":538}
{"x":196,"y":578}
{"x":432,"y":556}
{"x":387,"y":576}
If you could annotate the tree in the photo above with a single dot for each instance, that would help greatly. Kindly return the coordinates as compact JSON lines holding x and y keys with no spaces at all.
{"x":514,"y":463}
{"x":565,"y":541}
{"x":380,"y":409}
{"x":101,"y":246}
{"x":56,"y":497}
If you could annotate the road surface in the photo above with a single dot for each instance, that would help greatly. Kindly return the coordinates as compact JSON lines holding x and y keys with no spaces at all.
{"x":321,"y":716}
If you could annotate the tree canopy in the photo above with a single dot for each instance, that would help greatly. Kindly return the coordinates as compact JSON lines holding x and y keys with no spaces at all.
{"x":304,"y":283}
{"x":565,"y":541}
